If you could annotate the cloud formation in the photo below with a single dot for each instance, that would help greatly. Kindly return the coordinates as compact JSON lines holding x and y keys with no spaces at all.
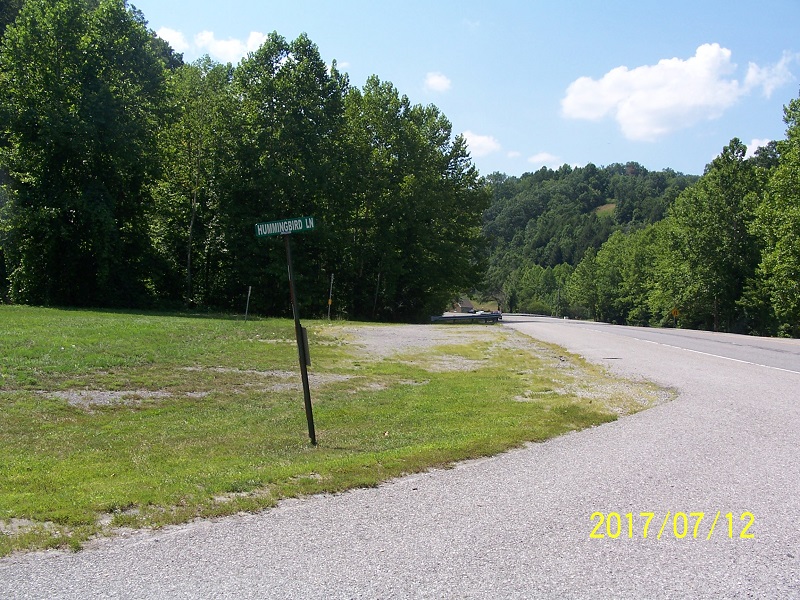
{"x":754,"y":145}
{"x":545,"y":159}
{"x":174,"y":38}
{"x":770,"y":78}
{"x":231,"y":50}
{"x":437,"y":82}
{"x":481,"y":145}
{"x":651,"y":101}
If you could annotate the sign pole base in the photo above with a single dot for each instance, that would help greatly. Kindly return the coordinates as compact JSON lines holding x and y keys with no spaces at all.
{"x":301,"y":346}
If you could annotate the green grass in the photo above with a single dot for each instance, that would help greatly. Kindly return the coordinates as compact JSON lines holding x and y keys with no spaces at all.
{"x":203,"y":417}
{"x":606,"y":209}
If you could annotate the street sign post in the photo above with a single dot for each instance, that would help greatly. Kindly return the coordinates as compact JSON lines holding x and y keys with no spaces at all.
{"x":285,"y":228}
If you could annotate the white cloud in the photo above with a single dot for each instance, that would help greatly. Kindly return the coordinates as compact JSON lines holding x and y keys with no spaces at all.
{"x":231,"y":50}
{"x":754,"y":145}
{"x":651,"y":101}
{"x":513,"y":154}
{"x":771,"y":77}
{"x":481,"y":145}
{"x":176,"y":39}
{"x":437,"y":82}
{"x":255,"y":40}
{"x":545,"y":159}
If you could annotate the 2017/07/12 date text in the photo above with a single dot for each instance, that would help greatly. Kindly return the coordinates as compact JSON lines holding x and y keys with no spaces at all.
{"x":679,"y":525}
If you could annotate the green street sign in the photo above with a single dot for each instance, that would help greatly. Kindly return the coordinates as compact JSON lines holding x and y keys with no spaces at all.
{"x":285,"y":226}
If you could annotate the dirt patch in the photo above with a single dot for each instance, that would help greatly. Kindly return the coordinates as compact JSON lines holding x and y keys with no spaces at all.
{"x":571,"y":376}
{"x":271,"y":381}
{"x":89,"y":398}
{"x":388,"y":340}
{"x":278,"y":374}
{"x":288,"y":380}
{"x":15,"y":526}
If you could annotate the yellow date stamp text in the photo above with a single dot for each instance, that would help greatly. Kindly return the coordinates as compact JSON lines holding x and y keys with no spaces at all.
{"x":679,"y":525}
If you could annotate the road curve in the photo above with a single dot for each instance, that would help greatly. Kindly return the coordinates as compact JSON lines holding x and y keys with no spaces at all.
{"x":518,"y":525}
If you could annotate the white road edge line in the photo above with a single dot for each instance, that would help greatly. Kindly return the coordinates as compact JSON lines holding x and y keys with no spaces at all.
{"x":746,"y":362}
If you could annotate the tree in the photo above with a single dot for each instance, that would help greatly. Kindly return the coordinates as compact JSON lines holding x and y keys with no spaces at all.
{"x":417,"y":206}
{"x":287,"y":163}
{"x":9,"y":9}
{"x":553,"y":217}
{"x":196,"y":150}
{"x":777,"y":285}
{"x":81,"y":91}
{"x":711,"y":252}
{"x":583,"y":285}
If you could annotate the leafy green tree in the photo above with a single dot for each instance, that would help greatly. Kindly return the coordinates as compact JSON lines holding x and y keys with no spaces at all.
{"x":8,"y":12}
{"x":711,"y":252}
{"x":610,"y":266}
{"x":582,"y":290}
{"x":81,"y":92}
{"x":417,"y":207}
{"x":552,"y":217}
{"x":287,"y":163}
{"x":624,"y":276}
{"x":777,"y":285}
{"x":196,"y":149}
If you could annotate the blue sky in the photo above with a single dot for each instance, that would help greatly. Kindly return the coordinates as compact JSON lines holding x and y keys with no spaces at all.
{"x":533,"y":83}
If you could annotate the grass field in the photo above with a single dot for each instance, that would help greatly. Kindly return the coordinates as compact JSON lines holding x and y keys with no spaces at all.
{"x":606,"y":209}
{"x":111,"y":420}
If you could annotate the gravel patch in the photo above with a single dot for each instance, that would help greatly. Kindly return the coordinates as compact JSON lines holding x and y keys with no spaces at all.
{"x":572,"y":378}
{"x":89,"y":398}
{"x":289,"y":379}
{"x":388,"y":340}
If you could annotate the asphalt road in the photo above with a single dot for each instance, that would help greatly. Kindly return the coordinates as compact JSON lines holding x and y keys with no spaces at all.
{"x":518,"y":525}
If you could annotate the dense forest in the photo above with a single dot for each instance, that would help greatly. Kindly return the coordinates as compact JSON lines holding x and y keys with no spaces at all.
{"x":623,"y":245}
{"x":131,"y":179}
{"x":542,"y":224}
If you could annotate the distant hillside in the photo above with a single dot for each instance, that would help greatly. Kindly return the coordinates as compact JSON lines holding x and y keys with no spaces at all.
{"x":551,"y":217}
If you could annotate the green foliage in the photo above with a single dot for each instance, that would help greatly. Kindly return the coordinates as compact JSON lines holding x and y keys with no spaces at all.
{"x":716,"y":252}
{"x":773,"y":295}
{"x":710,"y":251}
{"x":128,"y":178}
{"x":9,"y":9}
{"x":285,"y":164}
{"x":196,"y":144}
{"x":551,"y":218}
{"x":80,"y":91}
{"x":417,"y":207}
{"x":135,"y":178}
{"x":725,"y":257}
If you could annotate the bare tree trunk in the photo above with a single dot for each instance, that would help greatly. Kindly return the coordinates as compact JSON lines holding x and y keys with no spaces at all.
{"x":189,"y":250}
{"x":189,"y":294}
{"x":377,"y":287}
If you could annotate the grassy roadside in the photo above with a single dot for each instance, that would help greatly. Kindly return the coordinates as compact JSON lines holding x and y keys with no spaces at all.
{"x":112,"y":420}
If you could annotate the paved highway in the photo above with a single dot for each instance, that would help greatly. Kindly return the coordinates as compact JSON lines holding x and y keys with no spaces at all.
{"x":518,"y":525}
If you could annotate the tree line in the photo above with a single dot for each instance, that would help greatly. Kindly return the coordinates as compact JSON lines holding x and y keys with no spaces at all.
{"x":718,"y":252}
{"x":129,"y":178}
{"x":542,"y":224}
